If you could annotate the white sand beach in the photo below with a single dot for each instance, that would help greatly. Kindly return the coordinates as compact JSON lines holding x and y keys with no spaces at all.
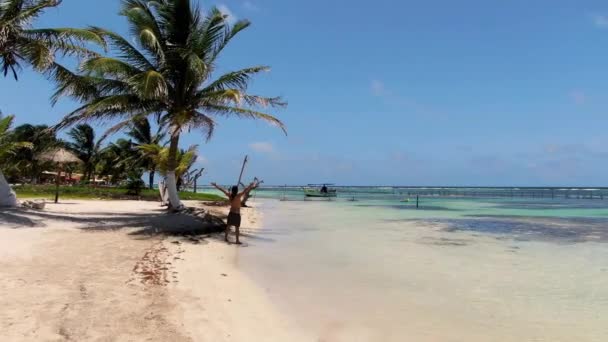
{"x":327,"y":272}
{"x":103,"y":271}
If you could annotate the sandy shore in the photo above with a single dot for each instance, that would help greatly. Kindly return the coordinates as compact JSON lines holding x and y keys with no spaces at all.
{"x":118,"y":271}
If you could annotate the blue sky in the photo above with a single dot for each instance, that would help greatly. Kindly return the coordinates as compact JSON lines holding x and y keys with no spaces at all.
{"x":430,"y":92}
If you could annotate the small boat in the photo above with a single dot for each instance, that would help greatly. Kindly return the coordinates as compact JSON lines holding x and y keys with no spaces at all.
{"x":319,"y":191}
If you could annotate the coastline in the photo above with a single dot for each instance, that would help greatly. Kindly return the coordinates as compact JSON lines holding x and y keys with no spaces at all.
{"x":92,"y":270}
{"x":217,"y":301}
{"x":125,"y":271}
{"x":363,"y":274}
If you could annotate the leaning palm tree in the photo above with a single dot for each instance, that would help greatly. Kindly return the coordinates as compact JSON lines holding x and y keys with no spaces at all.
{"x":85,"y":147}
{"x":166,"y":72}
{"x":7,"y":148}
{"x":21,"y":44}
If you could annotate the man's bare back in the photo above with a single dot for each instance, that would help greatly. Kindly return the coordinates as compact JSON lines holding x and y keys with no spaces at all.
{"x":235,"y":198}
{"x":235,"y":204}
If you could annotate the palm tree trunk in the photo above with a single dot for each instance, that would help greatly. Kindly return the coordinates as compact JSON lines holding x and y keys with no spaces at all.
{"x":7,"y":195}
{"x":174,"y":202}
{"x":57,"y":182}
{"x":151,"y":172}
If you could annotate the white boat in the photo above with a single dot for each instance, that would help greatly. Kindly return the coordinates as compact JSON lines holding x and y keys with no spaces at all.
{"x":319,"y":191}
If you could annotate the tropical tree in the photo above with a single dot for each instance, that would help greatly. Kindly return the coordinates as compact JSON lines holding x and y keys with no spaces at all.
{"x":116,"y":161}
{"x":21,"y":44}
{"x":7,"y":148}
{"x":167,"y":71}
{"x":185,"y":159}
{"x":25,"y":162}
{"x":141,"y":134}
{"x":85,"y":147}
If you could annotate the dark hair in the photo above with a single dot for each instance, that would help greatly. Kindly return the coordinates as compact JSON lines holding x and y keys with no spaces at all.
{"x":235,"y":191}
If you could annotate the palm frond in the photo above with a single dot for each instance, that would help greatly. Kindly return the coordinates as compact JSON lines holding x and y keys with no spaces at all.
{"x":108,"y":108}
{"x":228,"y":36}
{"x":203,"y":123}
{"x":237,"y":79}
{"x":21,"y":44}
{"x":81,"y":88}
{"x":149,"y":85}
{"x":108,"y":67}
{"x":66,"y":36}
{"x":246,"y":113}
{"x":23,"y":11}
{"x":131,"y":121}
{"x":264,"y":102}
{"x":37,"y":53}
{"x":126,"y":51}
{"x":6,"y":123}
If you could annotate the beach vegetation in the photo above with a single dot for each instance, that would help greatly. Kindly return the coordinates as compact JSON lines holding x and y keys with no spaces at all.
{"x":8,"y":148}
{"x":28,"y":191}
{"x":167,"y":69}
{"x":24,"y":165}
{"x":22,"y":44}
{"x":141,"y":134}
{"x":84,"y":145}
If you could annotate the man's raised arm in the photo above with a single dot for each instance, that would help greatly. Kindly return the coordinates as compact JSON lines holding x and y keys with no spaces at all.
{"x":251,"y":186}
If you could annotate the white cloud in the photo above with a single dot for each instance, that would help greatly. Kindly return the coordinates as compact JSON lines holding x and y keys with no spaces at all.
{"x":579,"y":97}
{"x":231,"y":18}
{"x":262,"y":147}
{"x":600,"y":21}
{"x":378,"y":88}
{"x":250,"y":6}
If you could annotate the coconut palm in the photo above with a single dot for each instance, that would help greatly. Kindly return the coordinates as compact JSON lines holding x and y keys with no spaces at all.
{"x":22,"y":44}
{"x":166,"y":72}
{"x":24,"y":161}
{"x":7,"y":148}
{"x":160,"y":155}
{"x":85,"y":147}
{"x":116,"y":161}
{"x":141,"y":134}
{"x":7,"y":145}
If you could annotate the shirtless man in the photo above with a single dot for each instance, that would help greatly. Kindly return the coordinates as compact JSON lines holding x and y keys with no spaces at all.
{"x":235,"y":197}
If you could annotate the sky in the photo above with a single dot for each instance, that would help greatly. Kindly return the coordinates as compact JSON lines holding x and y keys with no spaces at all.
{"x":426,"y":92}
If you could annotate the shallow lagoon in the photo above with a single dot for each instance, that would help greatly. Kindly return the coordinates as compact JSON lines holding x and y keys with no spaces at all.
{"x":452,"y":270}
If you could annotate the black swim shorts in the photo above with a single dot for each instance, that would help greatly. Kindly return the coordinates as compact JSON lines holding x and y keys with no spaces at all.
{"x":234,"y":219}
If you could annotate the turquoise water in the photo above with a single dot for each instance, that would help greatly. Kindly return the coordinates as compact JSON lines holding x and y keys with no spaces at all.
{"x":454,"y":203}
{"x":398,"y":193}
{"x":459,"y":202}
{"x":453,"y":269}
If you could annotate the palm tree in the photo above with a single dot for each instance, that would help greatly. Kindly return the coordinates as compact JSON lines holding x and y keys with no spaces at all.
{"x":84,"y":146}
{"x":7,"y":148}
{"x":116,"y":160}
{"x":141,"y":134}
{"x":20,"y":43}
{"x":25,"y":160}
{"x":168,"y":72}
{"x":185,"y":159}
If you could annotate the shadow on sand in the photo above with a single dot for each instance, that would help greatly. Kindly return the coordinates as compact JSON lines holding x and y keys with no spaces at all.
{"x":193,"y":224}
{"x":157,"y":222}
